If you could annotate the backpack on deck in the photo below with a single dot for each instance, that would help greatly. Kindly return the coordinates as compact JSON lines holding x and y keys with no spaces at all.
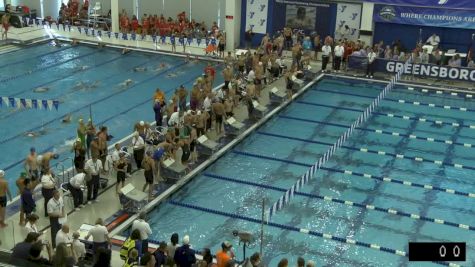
{"x":128,"y":245}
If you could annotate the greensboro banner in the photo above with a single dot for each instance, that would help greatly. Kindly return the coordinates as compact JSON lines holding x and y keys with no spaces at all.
{"x":457,"y":4}
{"x":422,"y":70}
{"x":425,"y":16}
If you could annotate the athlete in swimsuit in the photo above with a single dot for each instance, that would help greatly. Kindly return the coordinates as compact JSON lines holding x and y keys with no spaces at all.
{"x":4,"y":192}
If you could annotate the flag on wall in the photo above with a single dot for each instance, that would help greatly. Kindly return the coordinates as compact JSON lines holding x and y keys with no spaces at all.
{"x":348,"y":20}
{"x":16,"y":102}
{"x":256,"y":15}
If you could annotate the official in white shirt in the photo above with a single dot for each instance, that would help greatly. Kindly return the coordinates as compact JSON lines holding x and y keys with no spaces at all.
{"x":76,"y":183}
{"x":138,"y":145}
{"x":326,"y":52}
{"x":78,"y":247}
{"x":93,"y":168}
{"x":55,"y":208}
{"x":371,"y":63}
{"x":63,"y":235}
{"x":100,"y":236}
{"x":339,"y":51}
{"x":433,"y":40}
{"x":48,"y":185}
{"x":144,"y":229}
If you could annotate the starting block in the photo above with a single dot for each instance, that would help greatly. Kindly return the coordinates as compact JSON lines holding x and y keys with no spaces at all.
{"x":233,"y":127}
{"x":173,"y":170}
{"x":277,"y":96}
{"x":259,"y":110}
{"x":206,"y":146}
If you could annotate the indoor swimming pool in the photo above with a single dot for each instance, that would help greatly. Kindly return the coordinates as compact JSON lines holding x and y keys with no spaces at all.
{"x":83,"y":79}
{"x":407,"y":174}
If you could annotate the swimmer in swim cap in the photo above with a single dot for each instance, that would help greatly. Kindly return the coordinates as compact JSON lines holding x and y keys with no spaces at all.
{"x":67,"y":118}
{"x":41,"y":90}
{"x":140,"y":69}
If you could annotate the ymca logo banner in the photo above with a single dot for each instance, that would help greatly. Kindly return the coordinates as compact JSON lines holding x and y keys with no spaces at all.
{"x":454,"y":4}
{"x":256,"y":15}
{"x":348,"y":20}
{"x":424,"y":16}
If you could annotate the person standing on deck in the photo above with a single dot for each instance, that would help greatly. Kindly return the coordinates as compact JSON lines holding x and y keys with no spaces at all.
{"x":4,"y":192}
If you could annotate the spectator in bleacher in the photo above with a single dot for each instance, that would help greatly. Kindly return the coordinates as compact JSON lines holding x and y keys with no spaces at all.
{"x":300,"y":262}
{"x":388,"y":54}
{"x":78,"y":247}
{"x":30,"y":226}
{"x":35,"y":255}
{"x":225,"y":254}
{"x":161,"y":255}
{"x":424,"y":56}
{"x":433,"y":40}
{"x":185,"y":255}
{"x":283,"y":263}
{"x":437,"y":56}
{"x":455,"y":61}
{"x":64,"y":256}
{"x":171,"y":248}
{"x":21,"y":250}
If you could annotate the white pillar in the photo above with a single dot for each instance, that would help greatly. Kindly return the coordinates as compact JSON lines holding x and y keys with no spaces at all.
{"x":115,"y":15}
{"x":232,"y":23}
{"x":367,"y":22}
{"x":51,"y":8}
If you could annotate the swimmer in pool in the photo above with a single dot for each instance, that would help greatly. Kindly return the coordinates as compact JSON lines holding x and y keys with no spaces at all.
{"x":67,"y":118}
{"x":125,"y":51}
{"x":140,"y":69}
{"x":172,"y":75}
{"x":161,"y":67}
{"x":36,"y":134}
{"x":126,"y":83}
{"x":41,"y":90}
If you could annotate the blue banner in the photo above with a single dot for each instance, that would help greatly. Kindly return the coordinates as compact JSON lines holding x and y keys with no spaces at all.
{"x":454,"y":4}
{"x":424,"y":16}
{"x":421,"y":70}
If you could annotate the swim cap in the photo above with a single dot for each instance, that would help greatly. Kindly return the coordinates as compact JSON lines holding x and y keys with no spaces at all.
{"x":186,"y":239}
{"x":142,"y":123}
{"x":55,"y":156}
{"x":199,"y":112}
{"x":80,"y":120}
{"x":32,"y":149}
{"x":23,"y":174}
{"x":39,"y":158}
{"x":2,"y":173}
{"x":78,"y":140}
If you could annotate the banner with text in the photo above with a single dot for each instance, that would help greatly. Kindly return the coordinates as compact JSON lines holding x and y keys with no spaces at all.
{"x":458,"y":4}
{"x":348,"y":19}
{"x":421,"y":70}
{"x":256,"y":15}
{"x":424,"y":16}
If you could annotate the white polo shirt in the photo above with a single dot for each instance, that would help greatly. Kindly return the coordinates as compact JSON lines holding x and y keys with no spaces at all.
{"x":371,"y":57}
{"x":138,"y":142}
{"x":98,"y":233}
{"x":79,"y":248}
{"x":339,"y":51}
{"x":55,"y":206}
{"x":326,"y":50}
{"x":77,"y":180}
{"x":47,"y":181}
{"x":62,"y":237}
{"x":433,"y":40}
{"x":251,"y":76}
{"x":93,"y":168}
{"x":174,"y":118}
{"x":143,"y":227}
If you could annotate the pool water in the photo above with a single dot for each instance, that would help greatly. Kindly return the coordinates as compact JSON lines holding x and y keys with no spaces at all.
{"x":229,"y":193}
{"x":60,"y":69}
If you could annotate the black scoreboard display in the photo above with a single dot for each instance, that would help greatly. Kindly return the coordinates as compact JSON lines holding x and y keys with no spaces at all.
{"x":437,"y":251}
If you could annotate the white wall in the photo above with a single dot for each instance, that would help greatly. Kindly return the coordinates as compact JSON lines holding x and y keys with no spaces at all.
{"x":232,"y":26}
{"x":151,"y":7}
{"x":128,"y":5}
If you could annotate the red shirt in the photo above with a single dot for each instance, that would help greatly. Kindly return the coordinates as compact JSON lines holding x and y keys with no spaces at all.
{"x":210,"y":70}
{"x":135,"y":24}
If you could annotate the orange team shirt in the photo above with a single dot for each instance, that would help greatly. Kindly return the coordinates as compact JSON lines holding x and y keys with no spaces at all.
{"x":160,"y":96}
{"x":146,"y":23}
{"x":222,"y":258}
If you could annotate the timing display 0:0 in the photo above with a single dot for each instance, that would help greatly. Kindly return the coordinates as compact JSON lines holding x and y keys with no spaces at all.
{"x":437,"y":251}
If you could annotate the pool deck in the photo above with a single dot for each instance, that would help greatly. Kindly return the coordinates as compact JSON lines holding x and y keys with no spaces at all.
{"x":108,"y":207}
